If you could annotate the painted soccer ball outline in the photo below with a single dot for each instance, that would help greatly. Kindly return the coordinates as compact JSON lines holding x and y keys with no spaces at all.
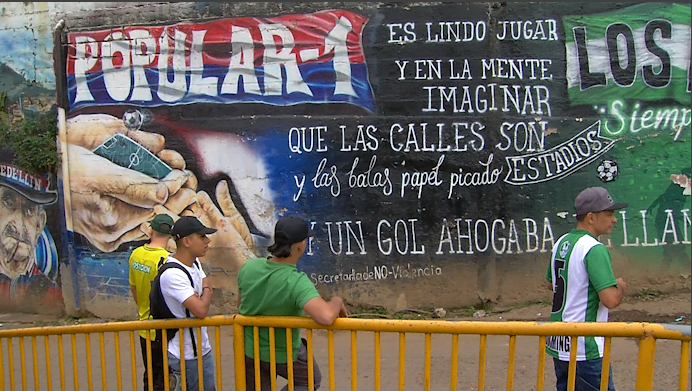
{"x":133,"y":119}
{"x":607,"y":171}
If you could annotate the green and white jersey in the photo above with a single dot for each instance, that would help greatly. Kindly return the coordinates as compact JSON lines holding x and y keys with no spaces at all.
{"x":579,"y":268}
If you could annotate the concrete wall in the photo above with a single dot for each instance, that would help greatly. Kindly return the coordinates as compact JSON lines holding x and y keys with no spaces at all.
{"x":435,"y":148}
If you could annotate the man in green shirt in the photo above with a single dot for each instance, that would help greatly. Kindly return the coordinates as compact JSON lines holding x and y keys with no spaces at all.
{"x":144,"y":262}
{"x":584,"y":288}
{"x":273,"y":286}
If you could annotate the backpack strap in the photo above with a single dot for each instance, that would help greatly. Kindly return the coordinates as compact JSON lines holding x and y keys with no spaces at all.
{"x":176,"y":265}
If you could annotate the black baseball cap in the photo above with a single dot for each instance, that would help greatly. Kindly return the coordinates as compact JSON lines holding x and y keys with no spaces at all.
{"x":290,"y":230}
{"x":188,"y":225}
{"x":594,"y":200}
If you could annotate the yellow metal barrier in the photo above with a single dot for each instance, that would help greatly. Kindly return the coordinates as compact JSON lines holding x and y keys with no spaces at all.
{"x":646,"y":333}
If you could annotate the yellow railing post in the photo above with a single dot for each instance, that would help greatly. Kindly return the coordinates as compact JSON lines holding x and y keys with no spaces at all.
{"x":166,"y":367}
{"x":455,"y":362}
{"x":605,"y":369}
{"x":645,"y":364}
{"x":330,"y":360}
{"x":541,"y":364}
{"x":35,"y":359}
{"x":118,"y":370}
{"x":2,"y":369}
{"x":132,"y":360}
{"x":22,"y":362}
{"x":10,"y":362}
{"x":239,"y":356}
{"x":200,"y":356}
{"x":103,"y":362}
{"x":402,"y":360}
{"x":87,"y":347}
{"x":377,"y":361}
{"x":354,"y":361}
{"x":164,"y":356}
{"x":289,"y":359}
{"x":256,"y":355}
{"x":572,"y":369}
{"x":148,"y":369}
{"x":311,"y":364}
{"x":183,"y":370}
{"x":427,"y":362}
{"x":217,"y":333}
{"x":61,"y":364}
{"x":75,"y":372}
{"x":272,"y":358}
{"x":49,"y":380}
{"x":684,"y":362}
{"x":511,"y":359}
{"x":481,"y":362}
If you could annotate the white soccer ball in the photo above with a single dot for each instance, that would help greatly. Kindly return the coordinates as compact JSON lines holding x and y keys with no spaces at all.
{"x":607,"y":171}
{"x":132,"y":119}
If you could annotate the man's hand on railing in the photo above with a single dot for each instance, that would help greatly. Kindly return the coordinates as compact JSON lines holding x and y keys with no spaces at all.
{"x":343,"y":313}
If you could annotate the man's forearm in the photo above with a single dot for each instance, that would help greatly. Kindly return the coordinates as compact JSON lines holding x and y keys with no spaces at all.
{"x":335,"y":304}
{"x":206,"y":299}
{"x":621,"y":294}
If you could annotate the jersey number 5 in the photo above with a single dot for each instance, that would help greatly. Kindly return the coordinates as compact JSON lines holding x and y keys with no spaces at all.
{"x":559,"y":289}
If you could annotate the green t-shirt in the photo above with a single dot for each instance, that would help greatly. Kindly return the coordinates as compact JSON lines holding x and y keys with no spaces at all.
{"x":273,"y":289}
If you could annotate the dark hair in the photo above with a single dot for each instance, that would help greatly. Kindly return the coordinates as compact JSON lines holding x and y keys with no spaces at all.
{"x":280,"y":250}
{"x":581,"y":218}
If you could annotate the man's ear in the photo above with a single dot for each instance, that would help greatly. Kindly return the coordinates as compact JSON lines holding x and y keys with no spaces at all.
{"x":42,"y":219}
{"x":303,"y":245}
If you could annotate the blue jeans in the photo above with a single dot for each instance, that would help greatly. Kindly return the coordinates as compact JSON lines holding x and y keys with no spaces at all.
{"x":588,"y":375}
{"x":191,"y":378}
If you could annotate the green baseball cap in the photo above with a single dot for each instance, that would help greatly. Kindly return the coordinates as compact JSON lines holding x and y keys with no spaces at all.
{"x":162,"y":223}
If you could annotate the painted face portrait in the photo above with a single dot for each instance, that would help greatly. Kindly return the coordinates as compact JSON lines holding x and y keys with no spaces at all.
{"x":21,"y":223}
{"x":23,"y":197}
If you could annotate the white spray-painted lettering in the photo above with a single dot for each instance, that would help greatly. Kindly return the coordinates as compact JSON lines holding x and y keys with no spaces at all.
{"x":381,"y":272}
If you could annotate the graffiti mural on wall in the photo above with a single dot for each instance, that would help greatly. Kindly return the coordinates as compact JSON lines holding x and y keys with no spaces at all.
{"x":127,"y":165}
{"x":28,"y":255}
{"x":224,"y":61}
{"x":633,"y":67}
{"x":29,"y":216}
{"x":26,"y":63}
{"x":413,"y":139}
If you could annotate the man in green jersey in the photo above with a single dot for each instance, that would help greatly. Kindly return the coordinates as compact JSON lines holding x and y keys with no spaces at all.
{"x":584,"y":288}
{"x":144,"y":262}
{"x":273,"y":286}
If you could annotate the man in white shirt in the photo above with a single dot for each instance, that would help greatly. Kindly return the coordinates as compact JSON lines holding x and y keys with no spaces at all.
{"x":186,"y":300}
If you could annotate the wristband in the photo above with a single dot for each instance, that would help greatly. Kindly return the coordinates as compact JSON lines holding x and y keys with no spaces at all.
{"x":206,"y":287}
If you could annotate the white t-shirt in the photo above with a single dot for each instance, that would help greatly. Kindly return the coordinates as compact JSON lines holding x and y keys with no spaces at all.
{"x":175,"y":287}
